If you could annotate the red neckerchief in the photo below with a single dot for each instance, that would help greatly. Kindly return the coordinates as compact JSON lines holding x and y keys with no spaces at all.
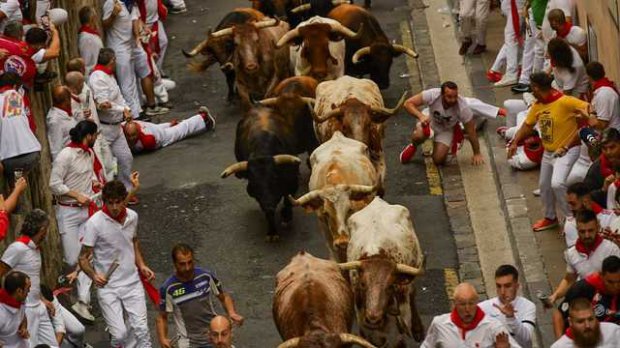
{"x":103,"y":68}
{"x":6,"y":88}
{"x":68,"y":110}
{"x":75,"y":98}
{"x":569,"y":333}
{"x":120,"y":218}
{"x":605,"y":82}
{"x":553,"y":96}
{"x":97,"y":167}
{"x":597,"y":209}
{"x":605,"y":166}
{"x":596,"y":281}
{"x":585,"y":250}
{"x":564,"y":30}
{"x":516,"y":21}
{"x":8,"y":300}
{"x":88,"y":29}
{"x":454,"y":316}
{"x":26,"y":240}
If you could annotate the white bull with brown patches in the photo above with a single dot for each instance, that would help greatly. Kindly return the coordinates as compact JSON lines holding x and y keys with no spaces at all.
{"x":384,"y":257}
{"x":343,"y":181}
{"x":354,"y":107}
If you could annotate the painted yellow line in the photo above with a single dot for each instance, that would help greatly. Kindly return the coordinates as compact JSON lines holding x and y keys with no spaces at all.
{"x":432,"y":172}
{"x":451,"y":279}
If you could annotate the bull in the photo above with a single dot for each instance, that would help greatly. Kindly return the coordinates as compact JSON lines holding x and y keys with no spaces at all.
{"x":259,"y":65}
{"x":383,"y":257}
{"x":354,"y":107}
{"x":318,"y":48}
{"x":295,"y":11}
{"x":264,"y":145}
{"x":342,"y":182}
{"x":221,"y":49}
{"x":313,"y":305}
{"x":372,"y":53}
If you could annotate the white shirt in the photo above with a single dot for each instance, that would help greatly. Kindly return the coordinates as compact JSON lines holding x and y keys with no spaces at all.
{"x":444,"y":333}
{"x":576,"y":81}
{"x":111,"y":240}
{"x":27,"y":259}
{"x":84,"y":101}
{"x":89,"y":46}
{"x":445,"y":119}
{"x":610,"y":336}
{"x":105,"y":88}
{"x":59,"y":123}
{"x":582,"y":265}
{"x":119,"y":36}
{"x":72,"y":170}
{"x":16,"y":138}
{"x":10,"y":319}
{"x":606,"y":103}
{"x":521,"y":327}
{"x":152,"y":13}
{"x":577,"y":36}
{"x":565,"y":6}
{"x":12,"y":10}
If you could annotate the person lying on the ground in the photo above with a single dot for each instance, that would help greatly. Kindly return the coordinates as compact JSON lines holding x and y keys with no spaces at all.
{"x":7,"y":206}
{"x":447,"y":110}
{"x":147,"y":136}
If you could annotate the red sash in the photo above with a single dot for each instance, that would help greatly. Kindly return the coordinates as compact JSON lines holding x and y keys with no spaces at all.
{"x":516,"y":22}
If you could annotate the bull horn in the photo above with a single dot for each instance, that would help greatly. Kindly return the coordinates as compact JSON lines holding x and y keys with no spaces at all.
{"x":340,"y":2}
{"x":195,"y":50}
{"x":266,"y":23}
{"x":406,"y":269}
{"x":223,"y":32}
{"x":293,"y":342}
{"x":346,"y":31}
{"x":408,"y":51}
{"x":347,"y":266}
{"x":235,"y":168}
{"x":308,"y":197}
{"x":292,"y":34}
{"x":360,"y":53}
{"x":392,"y":111}
{"x":332,"y":113}
{"x":286,"y":159}
{"x":301,"y":8}
{"x":350,"y":338}
{"x":361,"y":188}
{"x":308,"y":100}
{"x":268,"y":101}
{"x":227,"y":66}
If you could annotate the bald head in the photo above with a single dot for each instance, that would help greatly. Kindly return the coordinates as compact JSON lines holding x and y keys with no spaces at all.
{"x":75,"y":81}
{"x":76,"y":64}
{"x":131,"y":132}
{"x":220,"y":332}
{"x":61,"y":96}
{"x":465,"y":291}
{"x":466,"y":302}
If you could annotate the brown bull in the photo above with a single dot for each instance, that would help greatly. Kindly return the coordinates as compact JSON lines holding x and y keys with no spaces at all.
{"x":313,"y":305}
{"x":220,"y":49}
{"x":259,"y":65}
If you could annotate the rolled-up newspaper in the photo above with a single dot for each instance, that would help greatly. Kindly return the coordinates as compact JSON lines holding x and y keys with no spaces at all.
{"x":112,"y":268}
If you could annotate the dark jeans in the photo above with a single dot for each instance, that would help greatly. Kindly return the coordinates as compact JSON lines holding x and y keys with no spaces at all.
{"x":26,"y":162}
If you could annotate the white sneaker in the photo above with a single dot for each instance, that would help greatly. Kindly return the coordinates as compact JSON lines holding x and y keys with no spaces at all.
{"x":156,"y":110}
{"x":168,"y":84}
{"x":81,"y":309}
{"x":507,"y":80}
{"x":536,"y":192}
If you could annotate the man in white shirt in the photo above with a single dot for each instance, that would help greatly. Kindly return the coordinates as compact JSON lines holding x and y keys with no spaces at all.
{"x":585,"y":330}
{"x":10,"y":10}
{"x":605,"y":98}
{"x":89,"y":39}
{"x":447,"y":110}
{"x":152,"y":21}
{"x":24,"y":255}
{"x":587,"y":255}
{"x":13,"y":326}
{"x":574,"y":35}
{"x":508,"y":55}
{"x":118,"y":21}
{"x":111,"y":237}
{"x":59,"y":120}
{"x":579,"y":199}
{"x":467,"y":325}
{"x":113,"y":110}
{"x":517,"y":313}
{"x":566,"y":6}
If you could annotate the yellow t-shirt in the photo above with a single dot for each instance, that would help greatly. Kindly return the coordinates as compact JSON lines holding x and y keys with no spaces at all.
{"x":556,"y":121}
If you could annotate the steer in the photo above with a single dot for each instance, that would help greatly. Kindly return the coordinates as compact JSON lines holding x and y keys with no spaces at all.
{"x":264,"y":145}
{"x":371,"y":53}
{"x":343,"y":181}
{"x":354,"y":107}
{"x":313,"y":305}
{"x":221,"y":49}
{"x":318,"y":48}
{"x":384,"y":257}
{"x":259,"y":65}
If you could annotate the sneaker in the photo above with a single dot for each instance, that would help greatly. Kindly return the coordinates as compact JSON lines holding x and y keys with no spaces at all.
{"x":520,"y":88}
{"x":536,"y":192}
{"x":545,"y":224}
{"x":177,"y":10}
{"x":156,"y":110}
{"x":207,"y":117}
{"x":464,"y":47}
{"x":407,"y":154}
{"x":506,"y":80}
{"x":133,"y":200}
{"x":82,"y":310}
{"x":494,"y":76}
{"x":501,"y":131}
{"x":479,"y":49}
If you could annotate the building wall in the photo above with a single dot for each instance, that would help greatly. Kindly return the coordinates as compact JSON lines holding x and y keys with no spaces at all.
{"x":596,"y":15}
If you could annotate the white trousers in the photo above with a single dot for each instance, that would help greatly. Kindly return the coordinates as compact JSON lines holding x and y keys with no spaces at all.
{"x":533,"y":52}
{"x":580,"y":169}
{"x":105,"y":156}
{"x":73,"y":329}
{"x":508,"y":55}
{"x":473,"y":16}
{"x":552,"y":181}
{"x":40,"y":326}
{"x":130,"y":63}
{"x":182,"y":130}
{"x":114,"y":302}
{"x":163,"y":45}
{"x":480,"y":108}
{"x":113,"y":134}
{"x":516,"y":110}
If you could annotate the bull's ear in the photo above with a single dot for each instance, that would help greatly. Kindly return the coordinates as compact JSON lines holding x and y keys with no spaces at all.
{"x":313,"y":205}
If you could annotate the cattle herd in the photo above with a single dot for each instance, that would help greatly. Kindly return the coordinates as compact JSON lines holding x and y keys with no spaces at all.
{"x":297,"y":69}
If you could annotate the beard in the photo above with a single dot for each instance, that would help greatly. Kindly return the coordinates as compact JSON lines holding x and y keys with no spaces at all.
{"x":589,"y":338}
